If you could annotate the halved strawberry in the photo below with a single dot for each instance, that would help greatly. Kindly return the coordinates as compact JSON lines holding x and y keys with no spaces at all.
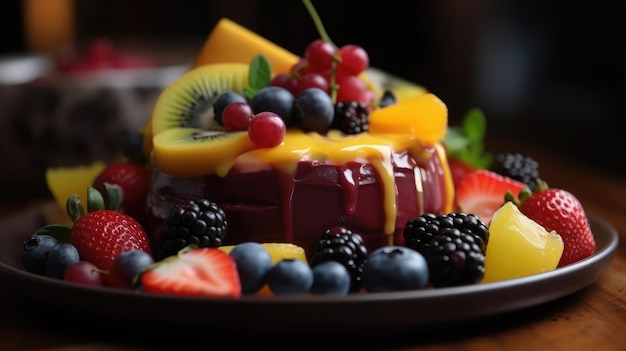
{"x":459,"y":169}
{"x":200,"y":271}
{"x":482,"y":193}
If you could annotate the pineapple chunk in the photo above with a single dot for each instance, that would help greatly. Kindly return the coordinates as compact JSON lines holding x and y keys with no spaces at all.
{"x":519,"y":246}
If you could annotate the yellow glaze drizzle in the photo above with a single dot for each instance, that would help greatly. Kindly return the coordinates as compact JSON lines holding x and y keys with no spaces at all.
{"x":336,"y":148}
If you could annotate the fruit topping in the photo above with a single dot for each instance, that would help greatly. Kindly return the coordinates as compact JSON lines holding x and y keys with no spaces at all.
{"x":351,"y":117}
{"x":454,"y":246}
{"x":253,"y":263}
{"x":290,"y":277}
{"x":193,"y":222}
{"x":330,"y":278}
{"x":133,"y":180}
{"x":517,"y":166}
{"x":559,"y":210}
{"x":395,"y":268}
{"x":424,"y":116}
{"x":127,"y":266}
{"x":193,"y":271}
{"x":267,"y":129}
{"x":35,"y":251}
{"x":519,"y":246}
{"x":344,"y":246}
{"x":482,"y":192}
{"x":103,"y":232}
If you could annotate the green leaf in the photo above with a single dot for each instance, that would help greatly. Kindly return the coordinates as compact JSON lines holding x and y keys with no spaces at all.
{"x":466,"y":142}
{"x":58,"y":231}
{"x":74,"y":208}
{"x":95,"y":201}
{"x":259,"y":75}
{"x":114,"y":195}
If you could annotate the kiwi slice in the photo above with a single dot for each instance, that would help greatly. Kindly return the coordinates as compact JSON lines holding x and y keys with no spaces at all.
{"x":188,"y":101}
{"x":190,"y":152}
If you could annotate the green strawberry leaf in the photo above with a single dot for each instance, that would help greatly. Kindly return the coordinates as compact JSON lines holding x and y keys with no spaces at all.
{"x":58,"y":231}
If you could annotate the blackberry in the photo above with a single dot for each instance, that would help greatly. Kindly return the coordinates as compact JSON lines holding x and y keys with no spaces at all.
{"x":344,"y":246}
{"x":453,"y":244}
{"x":351,"y":117}
{"x":200,"y":222}
{"x":517,"y":166}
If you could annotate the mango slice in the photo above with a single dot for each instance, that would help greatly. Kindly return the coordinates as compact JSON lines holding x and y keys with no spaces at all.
{"x":66,"y":181}
{"x":519,"y":246}
{"x":231,"y":42}
{"x":425,"y":116}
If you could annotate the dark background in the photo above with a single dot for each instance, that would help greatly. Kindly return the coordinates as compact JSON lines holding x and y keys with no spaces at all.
{"x":551,"y":71}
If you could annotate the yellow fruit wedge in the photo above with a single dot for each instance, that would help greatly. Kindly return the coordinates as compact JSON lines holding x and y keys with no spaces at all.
{"x":66,"y":181}
{"x":188,"y":101}
{"x":278,"y":251}
{"x":231,"y":42}
{"x":519,"y":246}
{"x":425,"y":116}
{"x":190,"y":152}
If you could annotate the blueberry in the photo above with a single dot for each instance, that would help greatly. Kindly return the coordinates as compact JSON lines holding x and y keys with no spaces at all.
{"x":290,"y":277}
{"x":274,"y":99}
{"x":330,"y":278}
{"x":253,"y":262}
{"x":314,"y":110}
{"x":223,"y":101}
{"x":35,"y":251}
{"x":395,"y":268}
{"x":61,"y":256}
{"x":127,"y":265}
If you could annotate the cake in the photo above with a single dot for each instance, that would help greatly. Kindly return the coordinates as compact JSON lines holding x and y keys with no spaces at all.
{"x":258,"y":198}
{"x":371,"y":182}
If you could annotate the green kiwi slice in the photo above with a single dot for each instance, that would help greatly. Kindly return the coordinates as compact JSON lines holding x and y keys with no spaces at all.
{"x":188,"y":101}
{"x":190,"y":152}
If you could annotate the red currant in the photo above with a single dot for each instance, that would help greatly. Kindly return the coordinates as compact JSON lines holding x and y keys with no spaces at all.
{"x":352,"y":88}
{"x":319,"y":55}
{"x":354,"y":59}
{"x":311,"y":80}
{"x":83,"y":272}
{"x":267,"y":129}
{"x":236,"y":116}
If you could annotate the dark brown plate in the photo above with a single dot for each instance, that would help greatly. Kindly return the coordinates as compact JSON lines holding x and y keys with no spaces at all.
{"x":363,"y":312}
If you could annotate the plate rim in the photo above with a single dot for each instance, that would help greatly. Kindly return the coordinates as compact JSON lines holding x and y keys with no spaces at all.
{"x":393,"y":309}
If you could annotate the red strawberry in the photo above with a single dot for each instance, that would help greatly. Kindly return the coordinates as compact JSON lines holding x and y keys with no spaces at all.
{"x":101,"y":235}
{"x":200,"y":271}
{"x":559,"y":210}
{"x":134,"y":180}
{"x":459,"y":169}
{"x":482,"y":192}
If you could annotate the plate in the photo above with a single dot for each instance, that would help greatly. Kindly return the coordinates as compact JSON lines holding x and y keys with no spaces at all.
{"x":361,"y":312}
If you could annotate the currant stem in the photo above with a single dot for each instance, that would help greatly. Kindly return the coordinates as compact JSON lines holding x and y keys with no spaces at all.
{"x":324,"y":35}
{"x":318,"y":22}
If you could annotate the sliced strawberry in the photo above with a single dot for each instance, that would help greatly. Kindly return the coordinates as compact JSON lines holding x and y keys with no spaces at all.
{"x":482,"y":193}
{"x":195,"y":272}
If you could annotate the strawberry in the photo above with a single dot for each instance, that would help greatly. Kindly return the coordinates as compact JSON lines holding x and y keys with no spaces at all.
{"x":103,"y":233}
{"x":194,"y":271}
{"x":559,"y":210}
{"x":482,"y":192}
{"x":459,"y":169}
{"x":134,"y":180}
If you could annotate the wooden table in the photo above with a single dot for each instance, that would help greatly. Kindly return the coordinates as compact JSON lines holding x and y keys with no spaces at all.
{"x":592,"y":318}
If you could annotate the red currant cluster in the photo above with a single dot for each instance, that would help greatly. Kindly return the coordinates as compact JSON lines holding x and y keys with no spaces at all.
{"x":334,"y":70}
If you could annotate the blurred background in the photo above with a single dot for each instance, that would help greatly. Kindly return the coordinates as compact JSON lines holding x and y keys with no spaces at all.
{"x":551,"y":72}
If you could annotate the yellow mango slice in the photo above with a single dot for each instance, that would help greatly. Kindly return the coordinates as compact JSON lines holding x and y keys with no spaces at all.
{"x":519,"y":246}
{"x":231,"y":42}
{"x":425,"y":116}
{"x":66,"y":181}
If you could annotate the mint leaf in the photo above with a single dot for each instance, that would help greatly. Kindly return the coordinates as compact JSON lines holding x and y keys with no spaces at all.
{"x":466,"y":142}
{"x":259,"y":75}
